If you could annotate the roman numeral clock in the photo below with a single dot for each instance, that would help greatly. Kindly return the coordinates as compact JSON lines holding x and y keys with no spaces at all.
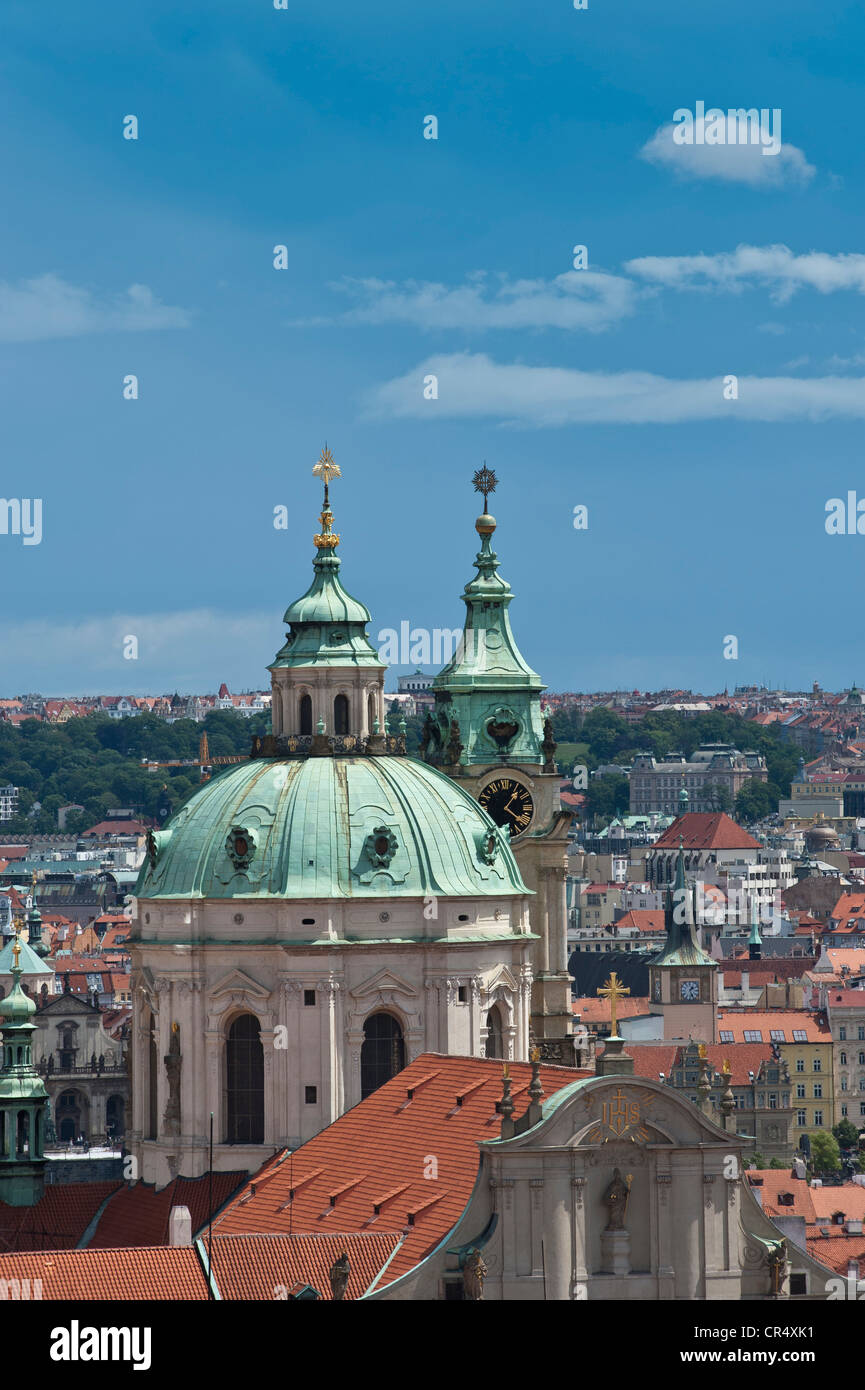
{"x":509,"y":802}
{"x":487,"y":731}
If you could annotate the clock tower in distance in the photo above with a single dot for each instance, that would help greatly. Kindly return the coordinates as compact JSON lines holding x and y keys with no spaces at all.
{"x":683,"y":979}
{"x":487,"y":732}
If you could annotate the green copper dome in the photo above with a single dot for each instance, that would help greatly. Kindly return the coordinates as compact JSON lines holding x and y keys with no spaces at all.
{"x":330,"y":827}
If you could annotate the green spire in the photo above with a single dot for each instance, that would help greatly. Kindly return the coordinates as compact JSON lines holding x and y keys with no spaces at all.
{"x":34,"y":924}
{"x":23,"y":1098}
{"x":488,"y":687}
{"x":681,"y":946}
{"x":327,"y":626}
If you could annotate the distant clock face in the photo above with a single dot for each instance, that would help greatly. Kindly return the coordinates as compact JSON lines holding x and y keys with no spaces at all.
{"x":509,"y":803}
{"x":690,"y":989}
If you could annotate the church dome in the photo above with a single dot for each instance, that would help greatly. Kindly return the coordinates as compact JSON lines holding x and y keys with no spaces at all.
{"x":330,"y":827}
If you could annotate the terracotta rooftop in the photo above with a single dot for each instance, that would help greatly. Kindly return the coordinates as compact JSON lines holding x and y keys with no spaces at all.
{"x":138,"y":1215}
{"x":649,"y":1060}
{"x":57,"y":1221}
{"x":594,"y":1010}
{"x":257,"y":1267}
{"x":706,"y":830}
{"x":644,"y":919}
{"x":110,"y":1274}
{"x":779,"y":1021}
{"x":366,"y":1171}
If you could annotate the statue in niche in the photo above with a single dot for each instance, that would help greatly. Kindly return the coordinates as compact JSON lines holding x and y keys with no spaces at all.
{"x":615,"y":1199}
{"x":454,"y":747}
{"x":474,"y":1274}
{"x":339,"y":1272}
{"x":173,"y":1063}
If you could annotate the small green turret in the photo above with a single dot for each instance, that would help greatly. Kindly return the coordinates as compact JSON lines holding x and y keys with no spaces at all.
{"x":23,"y":1099}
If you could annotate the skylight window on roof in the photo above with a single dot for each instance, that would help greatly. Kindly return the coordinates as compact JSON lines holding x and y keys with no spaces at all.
{"x":800,"y":1035}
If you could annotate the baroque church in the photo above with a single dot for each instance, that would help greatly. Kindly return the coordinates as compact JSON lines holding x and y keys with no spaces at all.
{"x":318,"y":916}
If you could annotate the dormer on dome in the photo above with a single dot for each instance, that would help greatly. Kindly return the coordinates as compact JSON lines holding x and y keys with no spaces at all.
{"x":327,"y":671}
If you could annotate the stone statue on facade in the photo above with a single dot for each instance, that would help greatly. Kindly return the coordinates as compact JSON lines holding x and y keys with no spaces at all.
{"x":455,"y":746}
{"x":173,"y":1064}
{"x":777,"y":1259}
{"x":474,"y":1274}
{"x":548,"y":747}
{"x":615,"y":1199}
{"x":339,"y":1272}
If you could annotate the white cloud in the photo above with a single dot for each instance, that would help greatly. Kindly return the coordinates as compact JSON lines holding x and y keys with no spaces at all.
{"x":176,"y":651}
{"x":777,"y":267}
{"x":732,"y":163}
{"x":474,"y":386}
{"x":578,"y":299}
{"x":48,"y":307}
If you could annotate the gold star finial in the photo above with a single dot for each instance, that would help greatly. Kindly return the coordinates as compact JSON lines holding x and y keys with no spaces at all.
{"x":326,"y":469}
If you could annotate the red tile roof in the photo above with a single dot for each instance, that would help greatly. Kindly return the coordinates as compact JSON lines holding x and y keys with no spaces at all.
{"x":57,"y":1221}
{"x":736,"y":1021}
{"x":644,"y":919}
{"x":846,"y":998}
{"x":649,"y":1060}
{"x":763,"y":972}
{"x":110,"y":1274}
{"x":836,"y":1249}
{"x":376,"y":1155}
{"x":138,"y":1215}
{"x":594,"y":1010}
{"x":259,"y":1267}
{"x":706,"y":830}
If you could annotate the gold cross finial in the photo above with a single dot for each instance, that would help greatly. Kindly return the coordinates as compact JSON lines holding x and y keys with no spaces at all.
{"x":613,"y":990}
{"x":16,"y":949}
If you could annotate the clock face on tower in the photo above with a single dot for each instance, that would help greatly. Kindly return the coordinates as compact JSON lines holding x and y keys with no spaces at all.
{"x":689,"y":989}
{"x":509,"y":803}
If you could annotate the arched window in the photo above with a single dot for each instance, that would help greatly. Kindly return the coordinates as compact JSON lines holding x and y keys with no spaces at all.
{"x":306,"y":714}
{"x":340,"y":715}
{"x":114,"y":1116}
{"x":370,"y":710}
{"x":68,"y":1117}
{"x":153,"y":1079}
{"x":23,"y":1142}
{"x":494,"y":1047}
{"x":382,"y":1054}
{"x":244,"y":1082}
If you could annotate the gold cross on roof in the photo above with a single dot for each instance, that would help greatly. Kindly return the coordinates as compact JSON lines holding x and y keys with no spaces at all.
{"x":613,"y":990}
{"x":16,"y":949}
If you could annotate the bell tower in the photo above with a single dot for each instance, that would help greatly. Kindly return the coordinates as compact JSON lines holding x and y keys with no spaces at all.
{"x":327,"y":679}
{"x":487,"y":732}
{"x":683,"y":979}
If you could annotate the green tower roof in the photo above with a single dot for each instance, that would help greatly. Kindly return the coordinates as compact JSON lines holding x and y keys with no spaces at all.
{"x":681,"y":946}
{"x":487,"y":694}
{"x":327,"y":626}
{"x":30,"y":962}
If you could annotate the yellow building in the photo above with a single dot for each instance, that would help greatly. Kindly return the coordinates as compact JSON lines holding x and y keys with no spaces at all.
{"x":804,"y":1042}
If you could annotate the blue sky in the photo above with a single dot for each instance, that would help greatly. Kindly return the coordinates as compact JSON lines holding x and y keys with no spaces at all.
{"x":408,"y":256}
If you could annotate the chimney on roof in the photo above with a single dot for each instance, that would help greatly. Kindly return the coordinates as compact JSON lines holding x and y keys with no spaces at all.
{"x":179,"y":1227}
